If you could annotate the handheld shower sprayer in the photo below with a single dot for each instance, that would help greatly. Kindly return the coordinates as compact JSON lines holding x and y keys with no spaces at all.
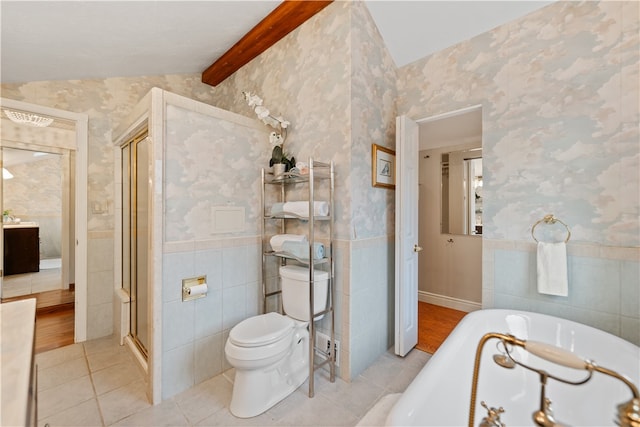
{"x":628,"y":413}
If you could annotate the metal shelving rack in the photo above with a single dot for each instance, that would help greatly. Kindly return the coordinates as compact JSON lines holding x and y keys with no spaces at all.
{"x":318,"y":172}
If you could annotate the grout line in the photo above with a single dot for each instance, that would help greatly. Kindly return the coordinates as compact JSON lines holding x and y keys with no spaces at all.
{"x":93,"y":386}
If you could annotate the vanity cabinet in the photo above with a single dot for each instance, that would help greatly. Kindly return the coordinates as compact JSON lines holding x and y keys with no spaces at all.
{"x":21,"y":250}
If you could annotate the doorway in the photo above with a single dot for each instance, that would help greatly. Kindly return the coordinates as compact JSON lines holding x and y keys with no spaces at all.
{"x":37,"y":132}
{"x":462,"y":263}
{"x":450,"y":210}
{"x":36,"y":203}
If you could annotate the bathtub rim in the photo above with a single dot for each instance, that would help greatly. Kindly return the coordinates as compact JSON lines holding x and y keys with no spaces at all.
{"x":438,"y":358}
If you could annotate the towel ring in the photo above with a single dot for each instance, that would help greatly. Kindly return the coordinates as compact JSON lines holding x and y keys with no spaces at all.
{"x":550,"y":219}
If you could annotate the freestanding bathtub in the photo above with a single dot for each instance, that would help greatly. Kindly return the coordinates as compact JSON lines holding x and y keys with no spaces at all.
{"x":440,"y":395}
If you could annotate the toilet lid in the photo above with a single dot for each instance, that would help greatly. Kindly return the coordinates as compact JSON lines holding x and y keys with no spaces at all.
{"x":261,"y":330}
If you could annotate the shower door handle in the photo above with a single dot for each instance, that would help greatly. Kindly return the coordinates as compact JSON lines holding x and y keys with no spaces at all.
{"x":417,"y":248}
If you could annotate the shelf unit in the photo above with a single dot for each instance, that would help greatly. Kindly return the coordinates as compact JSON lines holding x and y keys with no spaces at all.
{"x":319,"y":179}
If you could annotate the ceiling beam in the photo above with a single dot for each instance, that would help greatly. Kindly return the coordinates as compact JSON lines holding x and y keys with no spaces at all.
{"x":285,"y":18}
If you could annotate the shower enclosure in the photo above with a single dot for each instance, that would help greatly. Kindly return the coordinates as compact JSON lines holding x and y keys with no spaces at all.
{"x":135,"y":236}
{"x":173,"y":161}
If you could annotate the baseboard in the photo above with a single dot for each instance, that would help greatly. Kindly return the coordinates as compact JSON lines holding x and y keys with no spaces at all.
{"x":449,"y":302}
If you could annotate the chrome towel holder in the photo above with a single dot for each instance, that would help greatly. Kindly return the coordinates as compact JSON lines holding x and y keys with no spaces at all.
{"x":550,"y":219}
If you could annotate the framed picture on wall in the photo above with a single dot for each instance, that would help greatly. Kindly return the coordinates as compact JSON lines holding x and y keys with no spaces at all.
{"x":383,"y":167}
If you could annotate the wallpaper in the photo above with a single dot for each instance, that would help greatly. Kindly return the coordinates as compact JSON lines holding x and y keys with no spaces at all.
{"x":107,"y":103}
{"x":35,"y":194}
{"x":305,"y":78}
{"x":559,"y":91}
{"x":213,"y":165}
{"x":373,"y":101}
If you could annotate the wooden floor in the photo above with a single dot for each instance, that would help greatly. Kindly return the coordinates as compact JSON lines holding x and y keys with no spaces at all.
{"x":55,"y":315}
{"x":435,"y":323}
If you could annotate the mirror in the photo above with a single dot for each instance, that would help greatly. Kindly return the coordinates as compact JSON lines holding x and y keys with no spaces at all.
{"x":462,"y":191}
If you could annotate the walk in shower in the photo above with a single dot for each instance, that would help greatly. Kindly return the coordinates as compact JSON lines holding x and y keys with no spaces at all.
{"x":135,"y":157}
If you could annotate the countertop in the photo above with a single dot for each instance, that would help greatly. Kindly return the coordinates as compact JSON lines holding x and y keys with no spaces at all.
{"x":20,"y":225}
{"x":17,"y":327}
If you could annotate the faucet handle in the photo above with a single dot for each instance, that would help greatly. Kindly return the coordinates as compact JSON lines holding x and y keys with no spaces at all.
{"x":493,"y":416}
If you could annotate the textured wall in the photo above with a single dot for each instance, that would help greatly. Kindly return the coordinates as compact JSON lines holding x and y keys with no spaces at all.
{"x":371,"y":284}
{"x":35,"y":194}
{"x":373,"y":114}
{"x":559,"y":91}
{"x":305,"y":78}
{"x":208,"y":161}
{"x":107,"y":102}
{"x":335,"y":81}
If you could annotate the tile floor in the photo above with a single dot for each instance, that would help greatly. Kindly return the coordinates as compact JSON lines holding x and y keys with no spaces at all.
{"x":98,"y":383}
{"x":29,"y":283}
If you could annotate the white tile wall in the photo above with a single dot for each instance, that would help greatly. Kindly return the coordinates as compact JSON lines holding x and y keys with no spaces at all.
{"x":371,"y":301}
{"x":100,"y":287}
{"x":194,"y":332}
{"x":604,"y":287}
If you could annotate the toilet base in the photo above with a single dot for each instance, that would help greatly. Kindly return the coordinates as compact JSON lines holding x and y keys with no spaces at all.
{"x":256,"y":391}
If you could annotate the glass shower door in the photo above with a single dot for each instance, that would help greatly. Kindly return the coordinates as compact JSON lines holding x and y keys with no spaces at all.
{"x":136,"y":235}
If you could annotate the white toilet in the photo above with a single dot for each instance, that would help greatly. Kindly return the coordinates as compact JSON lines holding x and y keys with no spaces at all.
{"x":270,"y":352}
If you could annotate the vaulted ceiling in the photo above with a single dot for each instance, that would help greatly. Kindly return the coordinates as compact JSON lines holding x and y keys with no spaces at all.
{"x":66,"y":40}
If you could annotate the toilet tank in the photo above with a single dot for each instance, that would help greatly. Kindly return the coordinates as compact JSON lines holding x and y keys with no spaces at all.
{"x":295,"y":291}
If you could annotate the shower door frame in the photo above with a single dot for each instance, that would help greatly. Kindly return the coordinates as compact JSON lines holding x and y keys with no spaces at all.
{"x":130,"y":210}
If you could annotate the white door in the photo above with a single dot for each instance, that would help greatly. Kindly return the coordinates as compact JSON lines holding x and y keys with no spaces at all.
{"x":407,"y":247}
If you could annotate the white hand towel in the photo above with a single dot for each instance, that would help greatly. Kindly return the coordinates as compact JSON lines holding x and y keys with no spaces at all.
{"x":277,"y":240}
{"x":552,"y":269}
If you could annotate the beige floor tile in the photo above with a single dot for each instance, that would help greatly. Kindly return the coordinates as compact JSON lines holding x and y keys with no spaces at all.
{"x":101,"y":344}
{"x":112,"y":390}
{"x":61,"y":373}
{"x":204,"y":399}
{"x":166,"y":413}
{"x":417,"y":358}
{"x":122,"y":402}
{"x":402,"y":380}
{"x":377,"y":415}
{"x":115,"y":376}
{"x":383,"y":371}
{"x":289,"y":403}
{"x":46,"y":280}
{"x":85,"y":414}
{"x":59,"y":355}
{"x":318,"y":411}
{"x":225,"y":418}
{"x":16,"y":286}
{"x":406,"y":370}
{"x":356,"y":397}
{"x":64,"y":396}
{"x":106,"y":358}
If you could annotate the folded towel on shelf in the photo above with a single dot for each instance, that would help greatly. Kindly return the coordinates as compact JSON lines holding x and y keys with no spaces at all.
{"x":301,"y":249}
{"x":552,"y":269}
{"x":301,"y":208}
{"x":278,"y":240}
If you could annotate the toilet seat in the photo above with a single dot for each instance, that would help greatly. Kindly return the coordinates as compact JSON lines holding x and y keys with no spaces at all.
{"x":261,"y":330}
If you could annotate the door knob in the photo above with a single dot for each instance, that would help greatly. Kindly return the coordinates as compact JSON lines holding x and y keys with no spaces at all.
{"x":417,"y":248}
